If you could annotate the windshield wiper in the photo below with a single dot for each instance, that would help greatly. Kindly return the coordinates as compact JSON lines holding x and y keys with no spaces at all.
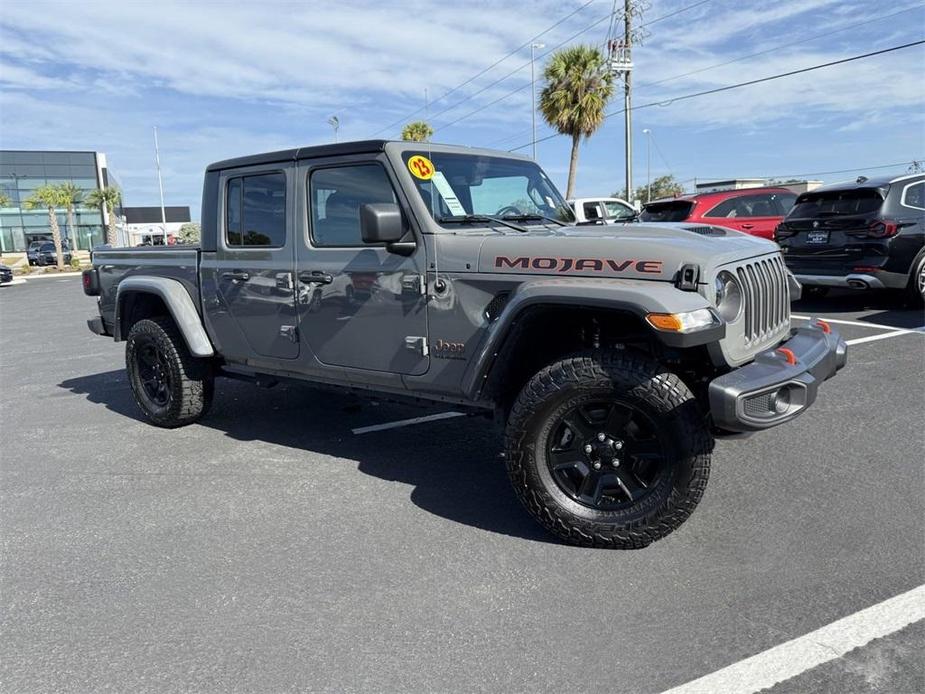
{"x":526,"y":217}
{"x":478,"y":219}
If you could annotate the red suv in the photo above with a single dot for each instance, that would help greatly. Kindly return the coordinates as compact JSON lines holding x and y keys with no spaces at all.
{"x":754,"y":211}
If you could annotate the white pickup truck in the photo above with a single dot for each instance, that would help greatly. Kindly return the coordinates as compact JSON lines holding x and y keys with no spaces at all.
{"x":602,"y":210}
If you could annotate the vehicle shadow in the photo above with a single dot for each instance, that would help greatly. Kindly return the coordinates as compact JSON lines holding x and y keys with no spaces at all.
{"x":888,"y":306}
{"x":453,"y":466}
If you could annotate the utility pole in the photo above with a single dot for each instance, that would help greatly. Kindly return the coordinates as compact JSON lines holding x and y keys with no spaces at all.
{"x":627,"y":93}
{"x":648,"y":134}
{"x":620,"y":66}
{"x":533,"y":47}
{"x":160,"y":185}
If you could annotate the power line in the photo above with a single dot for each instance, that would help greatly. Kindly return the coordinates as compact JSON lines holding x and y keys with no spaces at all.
{"x":508,"y":138}
{"x":826,"y":173}
{"x":514,"y":72}
{"x":779,"y":47}
{"x":551,"y":50}
{"x":717,"y":90}
{"x":490,"y":67}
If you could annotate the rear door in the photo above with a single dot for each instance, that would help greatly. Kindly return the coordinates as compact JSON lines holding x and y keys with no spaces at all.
{"x":248,"y":283}
{"x":360,"y":306}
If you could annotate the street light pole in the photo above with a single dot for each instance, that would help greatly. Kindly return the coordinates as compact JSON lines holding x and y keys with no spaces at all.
{"x":648,"y":134}
{"x":533,"y":47}
{"x":334,"y":122}
{"x":160,"y":185}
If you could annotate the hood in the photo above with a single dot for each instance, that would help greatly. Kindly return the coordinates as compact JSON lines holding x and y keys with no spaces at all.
{"x":636,"y":251}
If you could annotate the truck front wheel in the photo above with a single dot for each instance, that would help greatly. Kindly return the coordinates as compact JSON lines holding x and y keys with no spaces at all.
{"x":171,"y":387}
{"x":608,"y":449}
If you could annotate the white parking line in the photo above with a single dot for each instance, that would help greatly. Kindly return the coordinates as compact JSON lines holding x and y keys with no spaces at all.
{"x":839,"y":321}
{"x":794,"y":657}
{"x":408,"y":422}
{"x":882,"y":336}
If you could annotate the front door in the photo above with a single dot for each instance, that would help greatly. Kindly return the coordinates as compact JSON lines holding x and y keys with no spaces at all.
{"x":248,"y":286}
{"x":360,"y":306}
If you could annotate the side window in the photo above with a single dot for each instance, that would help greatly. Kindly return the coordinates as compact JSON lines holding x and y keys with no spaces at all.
{"x":255,"y":214}
{"x":914,"y":196}
{"x":592,"y":211}
{"x":336,"y":195}
{"x":784,"y":202}
{"x":745,"y":206}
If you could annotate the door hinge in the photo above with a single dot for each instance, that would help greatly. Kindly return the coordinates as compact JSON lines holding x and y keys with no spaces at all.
{"x":289,"y":332}
{"x":417,"y":344}
{"x":414,"y":283}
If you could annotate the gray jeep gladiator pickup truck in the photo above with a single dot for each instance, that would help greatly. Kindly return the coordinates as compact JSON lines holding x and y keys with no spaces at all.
{"x":611,"y":356}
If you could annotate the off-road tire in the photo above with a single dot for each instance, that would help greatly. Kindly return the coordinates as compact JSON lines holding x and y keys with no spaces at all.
{"x":632,"y":378}
{"x":190,"y":380}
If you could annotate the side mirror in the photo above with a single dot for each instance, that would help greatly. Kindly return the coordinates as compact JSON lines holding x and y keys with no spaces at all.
{"x":381,"y":222}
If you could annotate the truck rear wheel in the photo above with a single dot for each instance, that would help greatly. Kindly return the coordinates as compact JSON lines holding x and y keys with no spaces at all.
{"x":171,"y":387}
{"x":608,"y":449}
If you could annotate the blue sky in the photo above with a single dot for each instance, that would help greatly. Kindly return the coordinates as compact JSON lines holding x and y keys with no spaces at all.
{"x":223,"y":79}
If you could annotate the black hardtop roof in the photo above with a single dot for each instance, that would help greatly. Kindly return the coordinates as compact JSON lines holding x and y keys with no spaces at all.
{"x":874,"y":182}
{"x":358,"y":147}
{"x":331,"y":150}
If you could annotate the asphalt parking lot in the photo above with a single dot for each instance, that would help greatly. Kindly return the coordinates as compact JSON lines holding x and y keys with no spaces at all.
{"x":270,"y":548}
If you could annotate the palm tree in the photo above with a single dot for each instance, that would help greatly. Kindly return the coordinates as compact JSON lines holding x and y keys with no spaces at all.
{"x":108,"y":197}
{"x":5,"y":200}
{"x":74,"y":196}
{"x":577,"y":90}
{"x":418,"y":131}
{"x":50,"y":197}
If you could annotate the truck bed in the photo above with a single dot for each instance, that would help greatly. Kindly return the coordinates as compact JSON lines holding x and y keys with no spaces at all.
{"x":115,"y":264}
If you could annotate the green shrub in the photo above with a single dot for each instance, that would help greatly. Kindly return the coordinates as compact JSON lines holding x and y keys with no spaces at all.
{"x":75,"y":262}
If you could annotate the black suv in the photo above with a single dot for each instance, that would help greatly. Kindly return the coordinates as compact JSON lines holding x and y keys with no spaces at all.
{"x":866,"y":234}
{"x":46,"y":255}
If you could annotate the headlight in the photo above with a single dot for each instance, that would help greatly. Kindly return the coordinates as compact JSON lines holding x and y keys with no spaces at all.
{"x":688,"y":322}
{"x":728,"y":296}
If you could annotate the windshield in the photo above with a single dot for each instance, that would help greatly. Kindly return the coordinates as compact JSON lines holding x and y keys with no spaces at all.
{"x":455,"y":186}
{"x":672,"y":211}
{"x":862,"y":201}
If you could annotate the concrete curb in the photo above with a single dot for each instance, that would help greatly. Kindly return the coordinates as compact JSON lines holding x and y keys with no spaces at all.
{"x":48,"y":275}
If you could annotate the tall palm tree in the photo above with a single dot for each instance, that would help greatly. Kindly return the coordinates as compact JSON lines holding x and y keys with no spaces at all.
{"x":108,"y":197}
{"x":74,"y":196}
{"x":5,"y":200}
{"x":50,"y":197}
{"x":577,"y":90}
{"x":418,"y":131}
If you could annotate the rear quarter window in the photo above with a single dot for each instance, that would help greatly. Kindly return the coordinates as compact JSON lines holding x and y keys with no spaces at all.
{"x":672,"y":211}
{"x":914,"y":196}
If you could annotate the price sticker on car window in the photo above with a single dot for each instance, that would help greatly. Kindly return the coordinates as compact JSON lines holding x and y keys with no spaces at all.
{"x":421,"y":167}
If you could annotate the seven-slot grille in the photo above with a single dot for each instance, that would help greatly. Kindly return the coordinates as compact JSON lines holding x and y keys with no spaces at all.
{"x":766,"y":295}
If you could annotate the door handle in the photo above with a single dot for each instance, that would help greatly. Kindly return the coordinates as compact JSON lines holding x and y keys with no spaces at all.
{"x":315,"y":277}
{"x":236,"y":276}
{"x":748,"y":226}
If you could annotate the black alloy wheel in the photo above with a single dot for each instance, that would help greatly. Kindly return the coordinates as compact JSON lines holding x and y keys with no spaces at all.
{"x":607,"y":454}
{"x":154,"y":374}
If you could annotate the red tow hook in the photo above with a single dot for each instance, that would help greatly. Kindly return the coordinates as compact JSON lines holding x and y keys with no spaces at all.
{"x":788,"y":355}
{"x":825,"y":327}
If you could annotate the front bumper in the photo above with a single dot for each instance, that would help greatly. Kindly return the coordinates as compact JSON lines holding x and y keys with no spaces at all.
{"x":781,"y":383}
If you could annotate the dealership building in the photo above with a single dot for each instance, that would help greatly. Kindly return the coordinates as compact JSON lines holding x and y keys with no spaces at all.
{"x":21,"y":172}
